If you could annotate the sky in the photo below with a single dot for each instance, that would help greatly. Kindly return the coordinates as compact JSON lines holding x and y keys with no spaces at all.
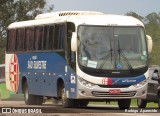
{"x":141,"y":7}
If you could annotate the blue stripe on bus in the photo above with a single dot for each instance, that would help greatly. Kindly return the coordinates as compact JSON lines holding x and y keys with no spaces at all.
{"x":128,"y":80}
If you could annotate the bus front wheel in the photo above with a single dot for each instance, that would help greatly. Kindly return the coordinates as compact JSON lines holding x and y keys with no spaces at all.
{"x":124,"y":103}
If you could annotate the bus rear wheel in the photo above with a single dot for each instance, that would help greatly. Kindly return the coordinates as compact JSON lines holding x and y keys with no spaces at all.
{"x":124,"y":103}
{"x":31,"y":99}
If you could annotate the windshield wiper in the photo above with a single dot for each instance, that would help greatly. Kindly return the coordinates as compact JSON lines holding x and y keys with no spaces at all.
{"x":120,"y":52}
{"x":109,"y":53}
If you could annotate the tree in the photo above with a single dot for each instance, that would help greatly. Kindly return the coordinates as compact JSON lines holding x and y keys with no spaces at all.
{"x":18,"y":10}
{"x":5,"y":15}
{"x":153,"y":29}
{"x":153,"y":25}
{"x":135,"y":15}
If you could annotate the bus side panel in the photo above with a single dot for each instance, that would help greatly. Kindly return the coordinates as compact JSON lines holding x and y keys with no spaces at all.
{"x":42,"y":71}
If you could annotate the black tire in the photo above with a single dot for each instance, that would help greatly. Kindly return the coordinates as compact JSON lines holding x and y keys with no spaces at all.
{"x":124,"y":103}
{"x":159,"y":100}
{"x":31,"y":99}
{"x":38,"y":100}
{"x":141,"y":103}
{"x":81,"y":103}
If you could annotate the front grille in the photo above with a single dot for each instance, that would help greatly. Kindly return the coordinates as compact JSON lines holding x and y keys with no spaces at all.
{"x":107,"y":94}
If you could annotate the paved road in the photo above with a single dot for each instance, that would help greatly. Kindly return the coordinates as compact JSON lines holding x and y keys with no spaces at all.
{"x":57,"y":110}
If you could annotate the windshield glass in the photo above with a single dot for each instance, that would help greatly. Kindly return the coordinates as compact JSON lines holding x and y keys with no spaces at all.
{"x":108,"y":48}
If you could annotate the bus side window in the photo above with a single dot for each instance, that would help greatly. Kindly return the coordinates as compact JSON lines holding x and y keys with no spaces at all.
{"x":45,"y":37}
{"x":20,"y":40}
{"x":48,"y":37}
{"x":51,"y":37}
{"x":56,"y":37}
{"x":29,"y":39}
{"x":59,"y":36}
{"x":38,"y":38}
{"x":11,"y":40}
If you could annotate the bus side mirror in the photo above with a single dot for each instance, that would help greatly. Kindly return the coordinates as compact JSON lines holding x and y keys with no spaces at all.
{"x":149,"y":42}
{"x":74,"y":42}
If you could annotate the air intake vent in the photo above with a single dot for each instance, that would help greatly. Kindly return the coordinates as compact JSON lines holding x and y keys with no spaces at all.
{"x":107,"y":94}
{"x":68,"y":13}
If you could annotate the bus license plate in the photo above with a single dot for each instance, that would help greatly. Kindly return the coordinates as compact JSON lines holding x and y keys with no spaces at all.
{"x":114,"y":91}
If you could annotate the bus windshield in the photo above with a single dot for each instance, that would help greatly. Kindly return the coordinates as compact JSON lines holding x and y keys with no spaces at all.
{"x":112,"y":48}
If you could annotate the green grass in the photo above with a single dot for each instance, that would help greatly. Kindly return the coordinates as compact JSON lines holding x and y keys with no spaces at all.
{"x":149,"y":104}
{"x":133,"y":104}
{"x":3,"y":92}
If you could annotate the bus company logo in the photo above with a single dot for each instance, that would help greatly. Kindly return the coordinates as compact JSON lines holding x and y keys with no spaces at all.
{"x":13,"y":73}
{"x":107,"y":81}
{"x":6,"y":110}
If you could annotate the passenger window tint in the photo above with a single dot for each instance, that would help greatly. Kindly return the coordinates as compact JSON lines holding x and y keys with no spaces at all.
{"x":38,"y":38}
{"x":59,"y":37}
{"x":51,"y":37}
{"x":20,"y":40}
{"x":45,"y":37}
{"x":29,"y":39}
{"x":11,"y":40}
{"x":48,"y":37}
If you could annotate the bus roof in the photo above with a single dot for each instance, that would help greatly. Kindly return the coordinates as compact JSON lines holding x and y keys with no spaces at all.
{"x":65,"y":13}
{"x":79,"y":17}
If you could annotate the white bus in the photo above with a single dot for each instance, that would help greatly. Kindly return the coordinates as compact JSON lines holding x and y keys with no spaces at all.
{"x":77,"y":57}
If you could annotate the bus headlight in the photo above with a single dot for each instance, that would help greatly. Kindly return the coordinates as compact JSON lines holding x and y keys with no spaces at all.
{"x":86,"y":83}
{"x":142,"y":83}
